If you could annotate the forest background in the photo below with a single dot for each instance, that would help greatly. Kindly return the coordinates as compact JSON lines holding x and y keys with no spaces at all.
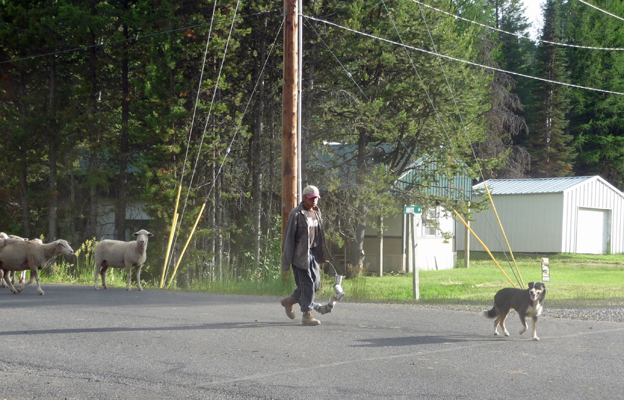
{"x":128,"y":99}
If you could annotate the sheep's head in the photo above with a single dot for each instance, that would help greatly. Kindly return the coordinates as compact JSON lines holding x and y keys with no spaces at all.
{"x":63,"y":247}
{"x":142,"y":236}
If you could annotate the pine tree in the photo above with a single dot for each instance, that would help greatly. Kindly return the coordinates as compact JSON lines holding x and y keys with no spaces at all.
{"x":596,"y":118}
{"x":505,"y":120}
{"x":389,"y":108}
{"x":550,"y":141}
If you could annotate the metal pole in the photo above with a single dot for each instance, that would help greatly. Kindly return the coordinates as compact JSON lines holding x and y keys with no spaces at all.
{"x":381,"y":247}
{"x":467,"y":245}
{"x":415,"y":269}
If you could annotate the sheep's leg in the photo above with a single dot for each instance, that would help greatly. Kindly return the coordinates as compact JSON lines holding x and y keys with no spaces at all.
{"x":22,"y":277}
{"x":129,"y":272}
{"x":9,"y":284}
{"x":96,"y":273}
{"x":30,"y":281}
{"x":36,"y":273}
{"x":138,"y":274}
{"x":103,"y":275}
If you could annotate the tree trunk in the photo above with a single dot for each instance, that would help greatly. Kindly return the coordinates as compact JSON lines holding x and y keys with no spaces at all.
{"x":120,"y":215}
{"x":257,"y":159}
{"x":93,"y":164}
{"x":24,"y":163}
{"x":357,"y":250}
{"x":309,"y":102}
{"x":219,"y":233}
{"x":24,"y":194}
{"x":53,"y":206}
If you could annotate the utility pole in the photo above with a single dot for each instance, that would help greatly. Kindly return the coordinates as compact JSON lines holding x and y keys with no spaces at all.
{"x":290,"y":110}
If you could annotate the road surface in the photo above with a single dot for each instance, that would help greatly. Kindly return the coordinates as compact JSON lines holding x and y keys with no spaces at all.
{"x":78,"y":343}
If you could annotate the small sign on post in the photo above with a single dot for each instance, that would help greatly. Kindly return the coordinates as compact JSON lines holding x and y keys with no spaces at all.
{"x":413,"y":210}
{"x":545,"y":270}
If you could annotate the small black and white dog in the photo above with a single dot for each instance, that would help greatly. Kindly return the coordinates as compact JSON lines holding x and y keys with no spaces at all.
{"x":526,"y":302}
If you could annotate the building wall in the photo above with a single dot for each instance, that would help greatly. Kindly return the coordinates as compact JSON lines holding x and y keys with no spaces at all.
{"x":434,"y":252}
{"x":135,"y":217}
{"x":548,"y":222}
{"x":532,"y":223}
{"x":595,"y":194}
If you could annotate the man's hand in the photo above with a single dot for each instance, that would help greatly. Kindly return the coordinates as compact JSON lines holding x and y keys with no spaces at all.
{"x":284,"y":276}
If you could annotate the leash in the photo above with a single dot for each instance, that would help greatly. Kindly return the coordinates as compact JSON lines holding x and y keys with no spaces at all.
{"x":337,"y":289}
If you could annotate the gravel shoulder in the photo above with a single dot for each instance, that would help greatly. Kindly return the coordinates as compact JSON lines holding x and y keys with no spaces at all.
{"x":602,"y":313}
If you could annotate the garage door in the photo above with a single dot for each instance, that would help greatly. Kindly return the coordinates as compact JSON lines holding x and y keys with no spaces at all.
{"x":592,"y":231}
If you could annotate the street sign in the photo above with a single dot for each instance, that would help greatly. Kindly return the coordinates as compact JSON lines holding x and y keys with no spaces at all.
{"x":413,"y":210}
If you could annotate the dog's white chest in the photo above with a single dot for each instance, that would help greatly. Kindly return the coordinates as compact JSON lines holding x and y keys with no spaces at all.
{"x":534,"y":311}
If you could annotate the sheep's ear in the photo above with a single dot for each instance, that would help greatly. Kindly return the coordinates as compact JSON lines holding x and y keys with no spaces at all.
{"x":135,"y":234}
{"x":149,"y":234}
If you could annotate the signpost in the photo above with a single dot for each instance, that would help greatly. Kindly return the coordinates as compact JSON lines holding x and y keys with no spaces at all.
{"x":545,"y":270}
{"x":413,"y":211}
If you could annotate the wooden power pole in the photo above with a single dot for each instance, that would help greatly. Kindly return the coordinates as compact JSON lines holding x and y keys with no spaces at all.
{"x":290,"y":110}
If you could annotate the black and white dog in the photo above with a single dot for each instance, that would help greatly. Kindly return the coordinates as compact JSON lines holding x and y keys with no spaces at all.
{"x":526,"y":302}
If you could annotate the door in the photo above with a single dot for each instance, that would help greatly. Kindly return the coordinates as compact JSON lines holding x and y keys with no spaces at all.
{"x":592,"y":233}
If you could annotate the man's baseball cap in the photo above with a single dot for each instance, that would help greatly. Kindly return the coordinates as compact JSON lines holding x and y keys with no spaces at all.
{"x":311,"y":192}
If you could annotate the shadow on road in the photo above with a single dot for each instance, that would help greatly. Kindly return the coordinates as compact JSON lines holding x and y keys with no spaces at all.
{"x":419,"y":340}
{"x":218,"y":326}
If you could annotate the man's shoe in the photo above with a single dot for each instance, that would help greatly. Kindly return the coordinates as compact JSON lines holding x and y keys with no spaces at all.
{"x":309,"y":320}
{"x":289,"y":305}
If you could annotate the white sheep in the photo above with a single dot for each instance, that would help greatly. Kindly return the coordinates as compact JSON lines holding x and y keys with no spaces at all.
{"x":22,"y":276}
{"x":20,"y":255}
{"x":119,"y":254}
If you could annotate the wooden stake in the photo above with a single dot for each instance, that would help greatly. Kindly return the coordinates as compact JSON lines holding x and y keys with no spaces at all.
{"x":173,"y":226}
{"x":485,"y":247}
{"x":505,"y":236}
{"x":187,"y":243}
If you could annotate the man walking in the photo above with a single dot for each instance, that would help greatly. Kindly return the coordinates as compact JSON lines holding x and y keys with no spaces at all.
{"x":304,"y":247}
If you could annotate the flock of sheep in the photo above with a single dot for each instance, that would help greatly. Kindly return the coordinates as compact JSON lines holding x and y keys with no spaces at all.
{"x":20,"y":255}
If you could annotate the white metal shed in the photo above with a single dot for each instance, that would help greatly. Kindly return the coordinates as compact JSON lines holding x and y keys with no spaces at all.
{"x":549,"y":215}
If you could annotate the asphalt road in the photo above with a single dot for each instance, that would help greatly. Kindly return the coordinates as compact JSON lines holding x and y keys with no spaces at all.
{"x":78,"y":343}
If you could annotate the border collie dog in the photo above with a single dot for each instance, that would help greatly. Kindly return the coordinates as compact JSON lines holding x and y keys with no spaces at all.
{"x":527,"y":303}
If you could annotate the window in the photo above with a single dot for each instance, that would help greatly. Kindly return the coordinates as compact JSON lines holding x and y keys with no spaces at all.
{"x":431,"y":222}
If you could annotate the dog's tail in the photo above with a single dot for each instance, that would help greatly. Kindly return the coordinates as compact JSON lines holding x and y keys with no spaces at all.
{"x":490,"y":313}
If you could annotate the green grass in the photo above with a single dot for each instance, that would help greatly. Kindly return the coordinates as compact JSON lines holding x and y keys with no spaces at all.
{"x":575,"y":280}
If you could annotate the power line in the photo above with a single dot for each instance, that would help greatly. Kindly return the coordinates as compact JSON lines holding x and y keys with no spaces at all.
{"x":517,"y":34}
{"x":601,"y":10}
{"x":465,"y":132}
{"x":463,"y":61}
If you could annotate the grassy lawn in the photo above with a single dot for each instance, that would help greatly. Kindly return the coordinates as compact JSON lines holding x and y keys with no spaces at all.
{"x":575,"y":281}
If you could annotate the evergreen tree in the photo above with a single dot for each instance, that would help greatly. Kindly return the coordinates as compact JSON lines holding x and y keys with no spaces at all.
{"x":550,"y":142}
{"x":505,"y":121}
{"x":390,"y":108}
{"x":595,"y":118}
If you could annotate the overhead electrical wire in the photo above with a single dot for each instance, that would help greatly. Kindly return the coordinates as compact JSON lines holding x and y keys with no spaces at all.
{"x":463,"y":61}
{"x":174,"y":217}
{"x":199,"y":149}
{"x":517,"y":34}
{"x":601,"y":10}
{"x":229,"y":147}
{"x":517,"y":271}
{"x":452,"y":148}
